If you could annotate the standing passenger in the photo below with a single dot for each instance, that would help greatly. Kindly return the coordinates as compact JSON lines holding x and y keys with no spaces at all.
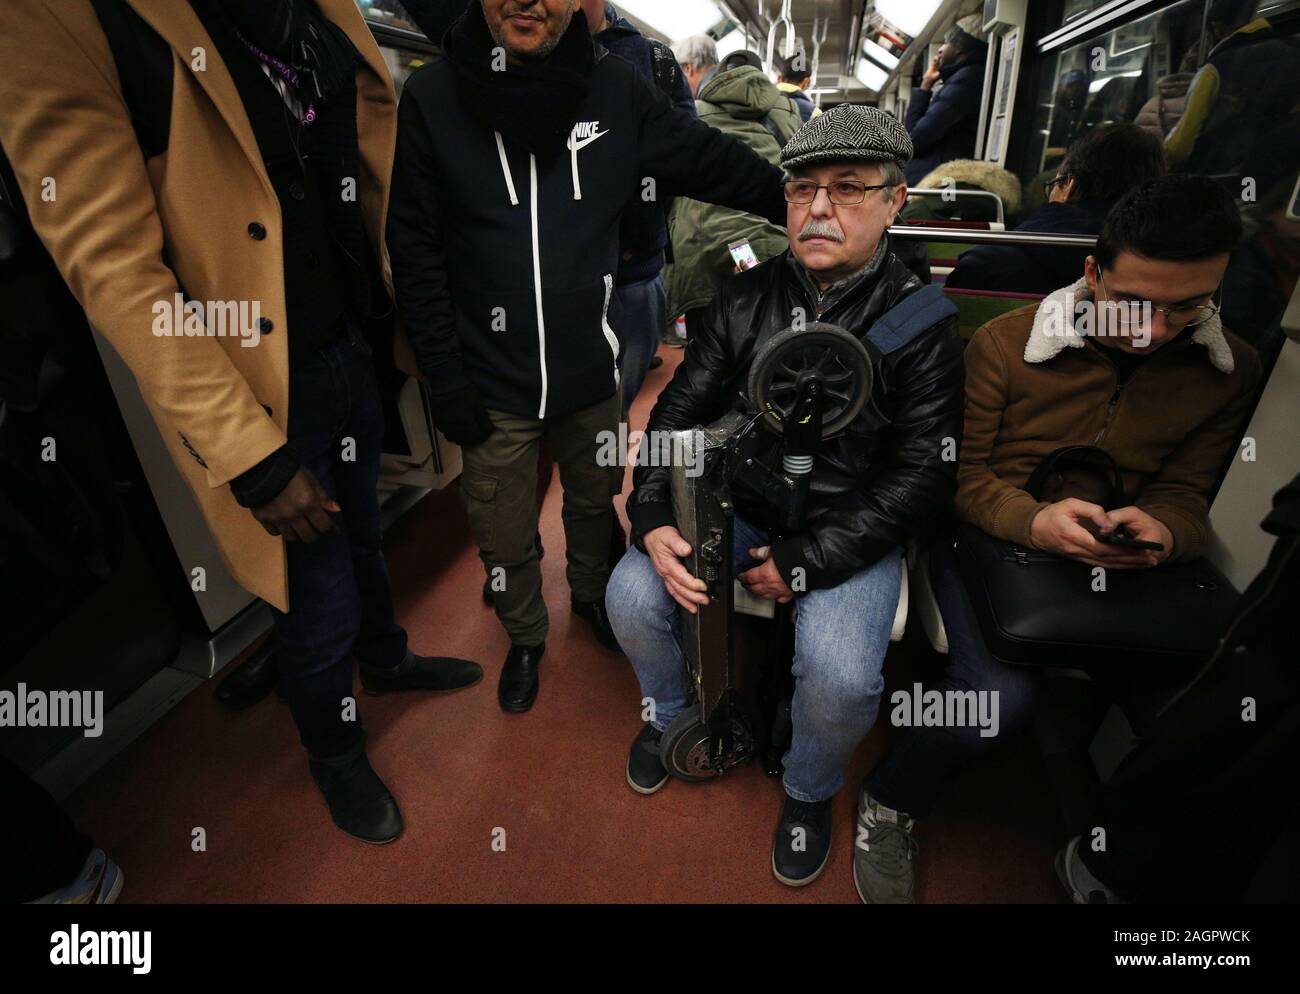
{"x":517,"y":153}
{"x":943,"y":125}
{"x":643,"y":236}
{"x":793,"y":80}
{"x":200,"y":148}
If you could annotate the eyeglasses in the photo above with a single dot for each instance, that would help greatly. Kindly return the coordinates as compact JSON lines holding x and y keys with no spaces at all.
{"x":1052,"y":184}
{"x":843,"y":193}
{"x":1131,"y":311}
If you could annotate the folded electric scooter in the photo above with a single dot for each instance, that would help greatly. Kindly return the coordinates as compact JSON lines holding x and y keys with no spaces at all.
{"x":805,"y":386}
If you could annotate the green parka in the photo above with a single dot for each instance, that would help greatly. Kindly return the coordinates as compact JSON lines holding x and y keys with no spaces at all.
{"x":741,"y":102}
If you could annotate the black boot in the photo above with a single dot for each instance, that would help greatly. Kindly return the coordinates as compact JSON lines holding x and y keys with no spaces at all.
{"x":251,"y":680}
{"x":359,"y":802}
{"x":436,"y":673}
{"x":594,"y":611}
{"x":517,"y":689}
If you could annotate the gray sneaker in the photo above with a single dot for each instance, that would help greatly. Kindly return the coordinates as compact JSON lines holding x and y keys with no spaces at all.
{"x":1078,"y":882}
{"x":882,"y":853}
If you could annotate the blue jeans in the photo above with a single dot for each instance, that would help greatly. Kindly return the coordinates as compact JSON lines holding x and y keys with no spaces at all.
{"x":340,"y":604}
{"x":841,"y":635}
{"x":644,"y":310}
{"x":922,"y":759}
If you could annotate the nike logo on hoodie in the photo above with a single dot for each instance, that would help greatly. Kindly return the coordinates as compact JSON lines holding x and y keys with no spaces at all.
{"x":584,"y":133}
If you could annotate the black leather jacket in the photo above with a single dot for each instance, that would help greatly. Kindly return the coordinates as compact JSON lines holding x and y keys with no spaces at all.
{"x":894,"y":471}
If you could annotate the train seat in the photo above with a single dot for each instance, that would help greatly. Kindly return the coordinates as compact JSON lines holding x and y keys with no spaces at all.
{"x":977,"y":308}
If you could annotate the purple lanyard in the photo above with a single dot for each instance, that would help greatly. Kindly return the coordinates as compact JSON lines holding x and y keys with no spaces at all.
{"x":285,"y":71}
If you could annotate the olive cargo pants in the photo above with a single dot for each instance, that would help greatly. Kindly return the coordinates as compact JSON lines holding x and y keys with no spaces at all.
{"x":499,"y":487}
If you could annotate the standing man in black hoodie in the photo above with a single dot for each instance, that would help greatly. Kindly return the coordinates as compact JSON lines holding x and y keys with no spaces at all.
{"x":517,"y":152}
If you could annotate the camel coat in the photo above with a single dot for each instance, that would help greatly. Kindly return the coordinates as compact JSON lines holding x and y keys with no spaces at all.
{"x":126,"y":233}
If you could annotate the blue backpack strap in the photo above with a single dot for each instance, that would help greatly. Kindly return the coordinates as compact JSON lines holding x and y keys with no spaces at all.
{"x":906,"y":320}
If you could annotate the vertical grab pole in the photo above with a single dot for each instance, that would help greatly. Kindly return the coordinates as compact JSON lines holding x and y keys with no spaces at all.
{"x":817,"y":38}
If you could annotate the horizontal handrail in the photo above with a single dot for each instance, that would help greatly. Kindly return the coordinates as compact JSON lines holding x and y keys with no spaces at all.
{"x":911,"y":232}
{"x":945,"y":191}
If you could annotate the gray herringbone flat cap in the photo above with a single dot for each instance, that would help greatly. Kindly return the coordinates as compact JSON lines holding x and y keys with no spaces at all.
{"x":849,"y":131}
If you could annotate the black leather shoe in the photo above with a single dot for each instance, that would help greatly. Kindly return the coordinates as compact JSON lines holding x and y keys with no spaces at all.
{"x":518,"y":686}
{"x":359,"y":802}
{"x":436,"y":673}
{"x":645,"y":770}
{"x":802,"y":842}
{"x":250,"y":681}
{"x":594,"y":611}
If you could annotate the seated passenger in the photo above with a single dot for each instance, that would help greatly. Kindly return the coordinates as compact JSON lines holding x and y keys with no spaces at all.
{"x":1166,"y":397}
{"x":872,"y":490}
{"x":965,"y":175}
{"x":1101,"y":167}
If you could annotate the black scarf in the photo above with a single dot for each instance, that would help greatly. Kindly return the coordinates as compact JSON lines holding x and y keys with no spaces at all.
{"x":533,"y":105}
{"x":295,"y":31}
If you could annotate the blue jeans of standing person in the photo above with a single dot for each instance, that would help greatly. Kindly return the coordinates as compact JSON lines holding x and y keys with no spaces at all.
{"x":340,"y":604}
{"x":922,"y":760}
{"x":841,"y":634}
{"x":644,"y":310}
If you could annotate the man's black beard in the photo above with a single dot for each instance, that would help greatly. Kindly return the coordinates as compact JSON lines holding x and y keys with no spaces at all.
{"x":533,"y":103}
{"x":543,"y":51}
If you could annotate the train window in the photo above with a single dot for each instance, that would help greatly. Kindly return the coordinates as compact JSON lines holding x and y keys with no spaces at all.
{"x":1218,"y":88}
{"x":401,"y":63}
{"x":389,"y":12}
{"x":1110,"y":79}
{"x":1075,"y":9}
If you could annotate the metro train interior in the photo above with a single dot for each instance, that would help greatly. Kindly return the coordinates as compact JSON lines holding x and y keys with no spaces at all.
{"x":113,"y":581}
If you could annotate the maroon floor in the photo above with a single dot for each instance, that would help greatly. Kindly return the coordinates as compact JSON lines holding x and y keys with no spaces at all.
{"x":549,"y":783}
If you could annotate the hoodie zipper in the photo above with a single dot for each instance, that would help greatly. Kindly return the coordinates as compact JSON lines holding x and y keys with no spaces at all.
{"x":604,"y":324}
{"x":537,"y":279}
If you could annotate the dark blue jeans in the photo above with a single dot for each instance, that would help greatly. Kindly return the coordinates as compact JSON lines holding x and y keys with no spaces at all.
{"x":340,"y":604}
{"x":921,"y":760}
{"x":644,"y":308}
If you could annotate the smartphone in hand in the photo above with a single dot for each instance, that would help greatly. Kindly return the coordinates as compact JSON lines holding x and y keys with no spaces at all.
{"x":1120,"y":536}
{"x":742,"y":254}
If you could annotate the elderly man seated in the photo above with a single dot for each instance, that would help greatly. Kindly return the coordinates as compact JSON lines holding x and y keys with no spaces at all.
{"x":873,"y":488}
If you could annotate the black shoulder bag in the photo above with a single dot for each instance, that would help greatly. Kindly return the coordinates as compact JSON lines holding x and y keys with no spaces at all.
{"x":1040,"y":609}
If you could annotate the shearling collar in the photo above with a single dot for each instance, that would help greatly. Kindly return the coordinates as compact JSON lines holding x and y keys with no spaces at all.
{"x":1054,"y":329}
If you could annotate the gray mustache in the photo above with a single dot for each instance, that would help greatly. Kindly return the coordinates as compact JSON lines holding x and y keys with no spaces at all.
{"x":820,"y":229}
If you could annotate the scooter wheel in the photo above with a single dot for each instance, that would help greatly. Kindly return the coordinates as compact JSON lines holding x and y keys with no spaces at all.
{"x":684,"y":748}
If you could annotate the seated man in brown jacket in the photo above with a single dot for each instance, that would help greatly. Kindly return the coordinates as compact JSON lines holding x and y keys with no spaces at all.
{"x":1132,"y":358}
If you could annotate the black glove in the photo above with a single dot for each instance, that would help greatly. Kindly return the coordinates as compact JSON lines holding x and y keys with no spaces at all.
{"x":460,"y":415}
